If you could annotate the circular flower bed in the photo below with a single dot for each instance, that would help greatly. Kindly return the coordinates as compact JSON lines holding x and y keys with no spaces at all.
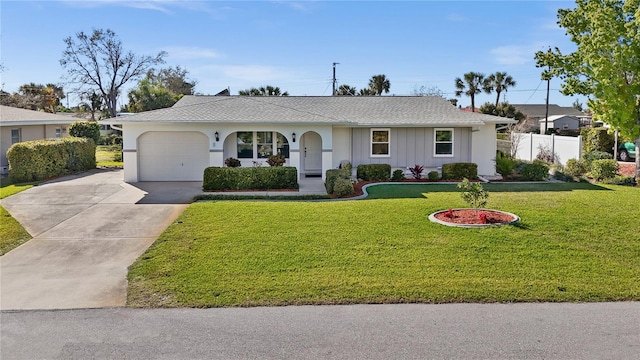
{"x":467,"y":217}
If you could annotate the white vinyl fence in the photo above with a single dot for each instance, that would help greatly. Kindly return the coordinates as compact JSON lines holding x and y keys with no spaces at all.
{"x":528,"y":146}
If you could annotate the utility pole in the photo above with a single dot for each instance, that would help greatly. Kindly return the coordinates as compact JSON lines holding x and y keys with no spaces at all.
{"x":546,"y":114}
{"x":334,"y":79}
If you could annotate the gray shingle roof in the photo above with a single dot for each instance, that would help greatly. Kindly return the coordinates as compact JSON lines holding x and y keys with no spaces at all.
{"x":539,"y":110}
{"x":332,"y":110}
{"x":17,"y":116}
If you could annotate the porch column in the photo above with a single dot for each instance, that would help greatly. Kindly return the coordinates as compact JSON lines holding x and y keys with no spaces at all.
{"x":294,"y":160}
{"x":327,"y":161}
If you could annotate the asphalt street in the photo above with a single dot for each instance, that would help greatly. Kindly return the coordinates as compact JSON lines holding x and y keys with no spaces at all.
{"x":409,"y":331}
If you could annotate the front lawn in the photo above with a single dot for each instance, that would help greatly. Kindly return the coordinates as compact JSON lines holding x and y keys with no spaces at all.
{"x":12,"y":234}
{"x":109,"y":156}
{"x":576,"y":242}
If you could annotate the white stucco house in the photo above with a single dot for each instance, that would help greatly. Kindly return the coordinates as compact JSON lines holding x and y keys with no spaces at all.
{"x":17,"y":125}
{"x":314,"y":133}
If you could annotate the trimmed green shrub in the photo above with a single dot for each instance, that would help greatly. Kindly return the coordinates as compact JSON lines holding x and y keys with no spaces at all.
{"x":505,"y":165}
{"x":398,"y":175}
{"x":85,"y":129}
{"x":575,"y":167}
{"x":252,"y":178}
{"x":276,"y":160}
{"x":232,"y":162}
{"x":343,"y":187}
{"x":374,"y":172}
{"x":111,"y":139}
{"x":604,"y":169}
{"x":459,"y":171}
{"x":597,"y":139}
{"x":537,"y":170}
{"x":332,"y":175}
{"x":433,"y":175}
{"x":45,"y":159}
{"x":620,"y":180}
{"x":595,"y":155}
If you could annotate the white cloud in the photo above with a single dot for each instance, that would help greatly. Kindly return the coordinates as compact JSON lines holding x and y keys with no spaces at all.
{"x":155,"y":5}
{"x":516,"y":54}
{"x":191,"y":53}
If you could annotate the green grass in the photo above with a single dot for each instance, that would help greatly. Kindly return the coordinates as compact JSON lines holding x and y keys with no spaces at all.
{"x":12,"y":234}
{"x":576,"y":242}
{"x":109,"y":156}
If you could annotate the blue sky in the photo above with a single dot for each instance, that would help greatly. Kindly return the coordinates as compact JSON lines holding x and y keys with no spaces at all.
{"x":292,"y":44}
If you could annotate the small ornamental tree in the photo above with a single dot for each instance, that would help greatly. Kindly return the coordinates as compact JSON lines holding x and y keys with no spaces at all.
{"x":85,"y":129}
{"x":473,"y":194}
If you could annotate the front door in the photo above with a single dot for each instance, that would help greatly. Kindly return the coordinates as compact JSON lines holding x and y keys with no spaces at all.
{"x":312,"y":154}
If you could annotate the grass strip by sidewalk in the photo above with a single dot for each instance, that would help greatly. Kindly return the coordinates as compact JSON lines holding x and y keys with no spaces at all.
{"x":576,"y":242}
{"x":12,"y":234}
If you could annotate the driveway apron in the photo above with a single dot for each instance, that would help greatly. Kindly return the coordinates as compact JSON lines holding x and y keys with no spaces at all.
{"x":87,"y":229}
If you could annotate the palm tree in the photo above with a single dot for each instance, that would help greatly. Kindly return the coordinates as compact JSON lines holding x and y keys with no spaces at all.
{"x":346,"y":90}
{"x":499,"y":82}
{"x":263,"y":91}
{"x":365,"y":92}
{"x":379,"y":84}
{"x":474,"y":83}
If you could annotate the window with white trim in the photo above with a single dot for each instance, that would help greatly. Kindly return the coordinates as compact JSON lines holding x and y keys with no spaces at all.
{"x":261,"y":144}
{"x":442,"y":142}
{"x":16,"y":136}
{"x":380,"y":140}
{"x":58,"y":133}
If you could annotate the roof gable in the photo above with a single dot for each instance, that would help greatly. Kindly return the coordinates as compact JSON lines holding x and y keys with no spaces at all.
{"x":17,"y":116}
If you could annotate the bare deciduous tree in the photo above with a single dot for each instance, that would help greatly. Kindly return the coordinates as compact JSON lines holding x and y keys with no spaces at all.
{"x":98,"y":61}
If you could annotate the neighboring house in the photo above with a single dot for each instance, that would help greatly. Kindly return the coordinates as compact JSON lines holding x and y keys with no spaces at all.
{"x":535,"y":112}
{"x":18,"y":125}
{"x":561,"y":122}
{"x":314,"y":133}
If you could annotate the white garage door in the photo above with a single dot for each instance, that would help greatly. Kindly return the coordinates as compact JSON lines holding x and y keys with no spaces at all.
{"x":172,"y":156}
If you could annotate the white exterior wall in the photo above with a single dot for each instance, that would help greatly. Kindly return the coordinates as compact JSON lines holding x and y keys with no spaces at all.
{"x":341,"y":145}
{"x":217,"y":152}
{"x":483,"y":148}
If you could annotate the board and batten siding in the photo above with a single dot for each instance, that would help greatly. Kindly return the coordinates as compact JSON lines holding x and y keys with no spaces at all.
{"x":410,"y":146}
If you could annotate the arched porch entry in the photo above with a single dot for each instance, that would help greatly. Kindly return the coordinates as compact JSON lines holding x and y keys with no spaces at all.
{"x":311,"y":154}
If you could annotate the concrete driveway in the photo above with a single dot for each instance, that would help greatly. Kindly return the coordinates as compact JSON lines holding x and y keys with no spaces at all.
{"x":87,"y":229}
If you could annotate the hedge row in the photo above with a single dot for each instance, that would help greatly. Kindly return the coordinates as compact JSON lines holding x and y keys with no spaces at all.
{"x":374,"y":172}
{"x":45,"y":159}
{"x":253,"y":178}
{"x":459,"y":171}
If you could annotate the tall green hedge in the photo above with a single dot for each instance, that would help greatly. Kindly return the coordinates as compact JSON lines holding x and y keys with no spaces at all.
{"x":44,"y":159}
{"x":374,"y":172}
{"x":253,"y":178}
{"x":597,"y":139}
{"x":85,"y":129}
{"x":459,"y":171}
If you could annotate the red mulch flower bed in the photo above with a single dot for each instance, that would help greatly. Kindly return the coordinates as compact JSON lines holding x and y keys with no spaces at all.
{"x":472,"y":216}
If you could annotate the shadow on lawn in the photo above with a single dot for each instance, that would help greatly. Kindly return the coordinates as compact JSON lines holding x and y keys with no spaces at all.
{"x":401,"y":191}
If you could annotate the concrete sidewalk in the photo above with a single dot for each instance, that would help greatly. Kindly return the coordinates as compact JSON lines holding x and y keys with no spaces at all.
{"x":87,"y":229}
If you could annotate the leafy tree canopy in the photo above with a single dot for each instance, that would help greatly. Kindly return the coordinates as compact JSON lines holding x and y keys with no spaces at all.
{"x":151,"y":95}
{"x":504,"y":109}
{"x":606,"y":63}
{"x":97,"y":61}
{"x":173,"y":79}
{"x":37,"y":97}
